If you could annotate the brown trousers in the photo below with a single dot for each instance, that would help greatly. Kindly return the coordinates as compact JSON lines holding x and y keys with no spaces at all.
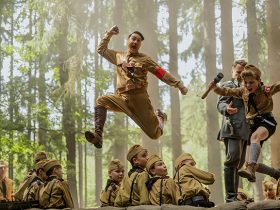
{"x":137,"y":105}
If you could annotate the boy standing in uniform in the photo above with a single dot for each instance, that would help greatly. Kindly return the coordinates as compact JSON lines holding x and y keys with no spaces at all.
{"x":189,"y":180}
{"x":131,"y":97}
{"x":56,"y":192}
{"x":133,"y":190}
{"x":162,"y":188}
{"x":31,"y":175}
{"x":32,"y":193}
{"x":116,"y":173}
{"x":6,"y":184}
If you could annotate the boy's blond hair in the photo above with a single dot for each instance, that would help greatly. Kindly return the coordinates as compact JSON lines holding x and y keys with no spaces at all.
{"x":268,"y":185}
{"x":241,"y":62}
{"x":115,"y":164}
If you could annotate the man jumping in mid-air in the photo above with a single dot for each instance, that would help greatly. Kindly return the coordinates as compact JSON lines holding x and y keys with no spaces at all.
{"x":131,"y":96}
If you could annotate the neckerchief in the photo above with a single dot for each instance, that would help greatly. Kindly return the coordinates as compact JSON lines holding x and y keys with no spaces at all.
{"x":135,"y":168}
{"x":111,"y":183}
{"x":251,"y":101}
{"x":152,"y":181}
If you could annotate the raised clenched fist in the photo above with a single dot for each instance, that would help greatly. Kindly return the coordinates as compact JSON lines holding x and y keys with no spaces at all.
{"x":114,"y":30}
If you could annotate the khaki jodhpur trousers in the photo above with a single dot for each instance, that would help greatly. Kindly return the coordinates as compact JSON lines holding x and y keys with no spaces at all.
{"x":137,"y":105}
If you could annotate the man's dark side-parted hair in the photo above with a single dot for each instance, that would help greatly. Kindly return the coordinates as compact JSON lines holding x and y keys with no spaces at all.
{"x":137,"y":32}
{"x":241,"y":62}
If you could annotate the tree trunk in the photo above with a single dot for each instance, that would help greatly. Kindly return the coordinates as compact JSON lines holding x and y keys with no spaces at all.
{"x":42,"y":88}
{"x":226,"y":38}
{"x":97,"y":93}
{"x":121,"y":140}
{"x":80,"y":145}
{"x":173,"y":8}
{"x":147,"y":14}
{"x":86,"y":144}
{"x":30,"y":99}
{"x":214,"y":156}
{"x":1,"y":56}
{"x":253,"y":58}
{"x":43,"y":115}
{"x":253,"y":38}
{"x":273,"y":30}
{"x":78,"y":11}
{"x":86,"y":177}
{"x":11,"y":93}
{"x":68,"y":109}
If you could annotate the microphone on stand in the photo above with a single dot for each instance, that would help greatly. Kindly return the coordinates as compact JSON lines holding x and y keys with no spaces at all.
{"x":217,"y":79}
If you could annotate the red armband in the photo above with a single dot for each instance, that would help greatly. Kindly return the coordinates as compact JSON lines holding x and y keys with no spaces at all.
{"x":160,"y":72}
{"x":267,"y":89}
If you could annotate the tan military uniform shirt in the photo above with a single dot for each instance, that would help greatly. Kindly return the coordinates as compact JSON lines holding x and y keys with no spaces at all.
{"x":24,"y":185}
{"x":141,"y":63}
{"x":108,"y":196}
{"x":56,"y":194}
{"x":168,"y":192}
{"x":32,"y":193}
{"x":6,"y":189}
{"x":140,"y":195}
{"x":191,"y":180}
{"x":262,"y":100}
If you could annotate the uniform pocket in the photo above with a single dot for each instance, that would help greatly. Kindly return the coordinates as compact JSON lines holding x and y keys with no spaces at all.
{"x":138,"y":69}
{"x":237,"y":123}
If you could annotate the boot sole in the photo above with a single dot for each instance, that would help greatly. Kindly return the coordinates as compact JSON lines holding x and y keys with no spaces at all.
{"x":247,"y":176}
{"x":91,"y":139}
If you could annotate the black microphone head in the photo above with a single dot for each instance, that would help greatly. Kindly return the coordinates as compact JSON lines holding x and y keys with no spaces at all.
{"x":218,"y":78}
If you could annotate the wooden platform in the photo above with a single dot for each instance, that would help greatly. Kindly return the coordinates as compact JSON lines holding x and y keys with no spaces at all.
{"x":263,"y":205}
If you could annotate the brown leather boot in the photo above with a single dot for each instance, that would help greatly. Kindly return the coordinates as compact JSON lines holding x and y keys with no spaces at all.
{"x":95,"y":138}
{"x":248,"y":172}
{"x":277,"y":174}
{"x":264,"y":169}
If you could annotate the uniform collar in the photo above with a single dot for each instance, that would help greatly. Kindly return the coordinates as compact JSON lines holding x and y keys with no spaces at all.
{"x":259,"y":90}
{"x":235,"y":82}
{"x":3,"y":179}
{"x":161,"y":177}
{"x":52,"y":177}
{"x":131,"y":54}
{"x":135,"y":168}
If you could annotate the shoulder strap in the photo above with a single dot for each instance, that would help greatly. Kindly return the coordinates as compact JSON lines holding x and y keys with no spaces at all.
{"x":51,"y":191}
{"x":28,"y":193}
{"x":109,"y":199}
{"x":179,"y":185}
{"x":160,"y":192}
{"x":131,"y":189}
